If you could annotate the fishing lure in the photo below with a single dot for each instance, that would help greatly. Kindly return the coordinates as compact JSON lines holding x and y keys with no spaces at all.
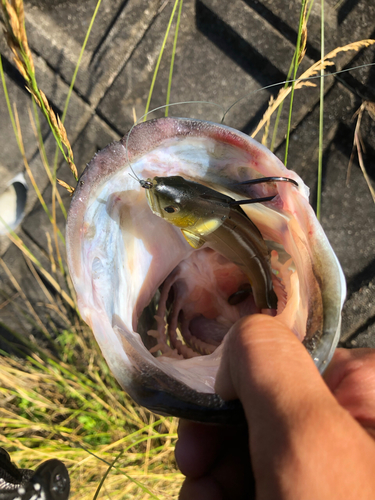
{"x":208,"y":216}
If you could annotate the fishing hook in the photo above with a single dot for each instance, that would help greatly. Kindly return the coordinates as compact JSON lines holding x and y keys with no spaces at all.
{"x":260,"y":181}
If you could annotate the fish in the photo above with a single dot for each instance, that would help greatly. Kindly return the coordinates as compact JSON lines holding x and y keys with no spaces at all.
{"x":158,"y":307}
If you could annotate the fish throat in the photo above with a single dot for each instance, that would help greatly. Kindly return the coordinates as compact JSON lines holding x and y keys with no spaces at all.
{"x":200,"y":301}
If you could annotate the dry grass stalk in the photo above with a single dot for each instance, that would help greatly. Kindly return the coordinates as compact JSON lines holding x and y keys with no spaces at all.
{"x":9,"y":301}
{"x":302,"y":50}
{"x":267,"y":125}
{"x":359,"y":146}
{"x":50,"y":252}
{"x":15,"y":34}
{"x":147,"y":458}
{"x":312,"y":71}
{"x":23,"y":154}
{"x":39,"y":281}
{"x":19,"y":243}
{"x":59,"y":128}
{"x":24,"y":298}
{"x":52,"y":217}
{"x":370,"y":107}
{"x":63,"y":184}
{"x":43,"y":410}
{"x":16,"y":38}
{"x":42,"y":155}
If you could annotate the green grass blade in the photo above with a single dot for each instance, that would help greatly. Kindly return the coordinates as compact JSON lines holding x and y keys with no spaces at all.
{"x":296,"y":64}
{"x":321,"y":112}
{"x":140,"y":485}
{"x":80,"y":59}
{"x":75,"y":74}
{"x":39,"y":131}
{"x":44,"y":154}
{"x":106,"y":474}
{"x":172,"y":58}
{"x":8,"y":102}
{"x":159,"y":59}
{"x":279,"y":111}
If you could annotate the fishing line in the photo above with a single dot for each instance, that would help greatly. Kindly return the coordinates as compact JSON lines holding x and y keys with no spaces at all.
{"x":225,"y":112}
{"x":293,"y":81}
{"x":157,"y":109}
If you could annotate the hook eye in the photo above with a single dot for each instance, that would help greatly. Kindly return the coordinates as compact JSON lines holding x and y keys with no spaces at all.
{"x":146,"y":184}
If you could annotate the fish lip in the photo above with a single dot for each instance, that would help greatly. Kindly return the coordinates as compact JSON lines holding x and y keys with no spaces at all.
{"x":103,"y":166}
{"x":207,"y":408}
{"x":173,"y":397}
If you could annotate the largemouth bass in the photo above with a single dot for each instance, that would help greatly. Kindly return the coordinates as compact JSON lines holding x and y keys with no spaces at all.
{"x":158,"y":307}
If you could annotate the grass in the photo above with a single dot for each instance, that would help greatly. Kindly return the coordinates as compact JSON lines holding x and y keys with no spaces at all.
{"x":58,"y":398}
{"x":69,"y":407}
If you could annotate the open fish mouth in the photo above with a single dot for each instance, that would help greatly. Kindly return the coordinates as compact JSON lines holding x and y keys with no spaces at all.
{"x":159,"y":309}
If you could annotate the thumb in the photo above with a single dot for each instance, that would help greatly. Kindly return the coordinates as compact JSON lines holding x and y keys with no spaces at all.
{"x":282,"y":393}
{"x":264,"y":362}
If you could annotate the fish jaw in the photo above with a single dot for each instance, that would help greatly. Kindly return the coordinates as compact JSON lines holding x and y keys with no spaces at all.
{"x":119,"y":253}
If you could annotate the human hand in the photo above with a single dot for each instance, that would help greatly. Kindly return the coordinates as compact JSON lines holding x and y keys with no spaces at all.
{"x":308,"y":438}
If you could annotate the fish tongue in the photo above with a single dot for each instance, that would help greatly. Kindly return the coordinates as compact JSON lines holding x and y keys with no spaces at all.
{"x":208,"y":330}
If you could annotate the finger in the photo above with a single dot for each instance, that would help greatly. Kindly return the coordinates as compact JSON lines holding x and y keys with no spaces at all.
{"x":351,"y":378}
{"x":197,"y":447}
{"x":233,"y":471}
{"x":205,"y":488}
{"x":257,"y":351}
{"x":345,"y":360}
{"x":229,"y":471}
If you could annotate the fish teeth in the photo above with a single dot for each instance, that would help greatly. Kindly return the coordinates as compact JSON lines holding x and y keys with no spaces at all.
{"x":185,"y":350}
{"x":200,"y":346}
